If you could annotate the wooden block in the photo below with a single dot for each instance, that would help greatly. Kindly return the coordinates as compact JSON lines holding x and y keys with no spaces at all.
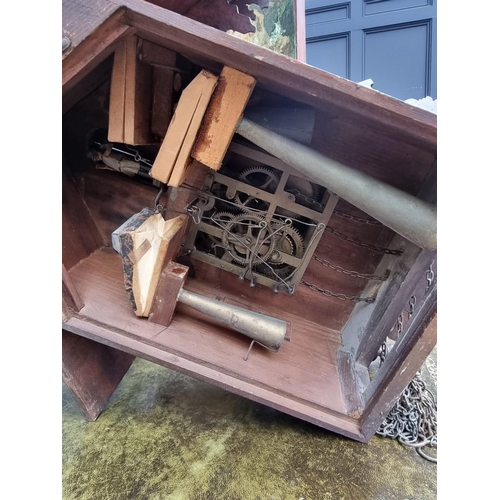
{"x":146,"y":242}
{"x":140,"y":102}
{"x":170,"y":284}
{"x":183,"y":163}
{"x":117,"y":95}
{"x":178,"y":142}
{"x":222,"y":117}
{"x":138,"y":97}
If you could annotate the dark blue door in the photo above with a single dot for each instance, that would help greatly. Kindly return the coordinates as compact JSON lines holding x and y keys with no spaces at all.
{"x":393,"y":42}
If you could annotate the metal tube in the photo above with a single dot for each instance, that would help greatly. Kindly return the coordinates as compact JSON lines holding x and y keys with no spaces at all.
{"x":405,"y":214}
{"x":266,"y":330}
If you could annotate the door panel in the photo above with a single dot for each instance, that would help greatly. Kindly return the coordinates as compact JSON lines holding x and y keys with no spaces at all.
{"x":393,"y":42}
{"x":330,"y":54}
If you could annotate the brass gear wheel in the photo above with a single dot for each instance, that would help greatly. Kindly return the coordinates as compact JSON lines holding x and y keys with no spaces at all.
{"x":260,"y":177}
{"x":290,"y":242}
{"x":221,"y":218}
{"x":246,"y":233}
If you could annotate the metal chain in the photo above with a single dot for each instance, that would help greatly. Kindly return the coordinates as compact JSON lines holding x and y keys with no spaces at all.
{"x":355,"y":274}
{"x":429,"y":276}
{"x":354,"y":218}
{"x":399,"y":324}
{"x":375,"y":248}
{"x":413,"y":419}
{"x":311,"y":202}
{"x":340,"y":296}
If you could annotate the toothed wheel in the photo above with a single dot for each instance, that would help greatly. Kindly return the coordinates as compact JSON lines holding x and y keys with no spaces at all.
{"x":260,"y":177}
{"x":247,"y":236}
{"x":290,"y":242}
{"x":220,"y":219}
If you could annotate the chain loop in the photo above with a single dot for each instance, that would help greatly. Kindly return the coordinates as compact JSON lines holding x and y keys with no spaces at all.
{"x":350,"y":273}
{"x":375,"y":248}
{"x":354,"y":218}
{"x":340,"y":296}
{"x":429,"y":276}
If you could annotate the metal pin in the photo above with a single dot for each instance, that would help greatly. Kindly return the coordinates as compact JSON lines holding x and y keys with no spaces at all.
{"x":249,"y":349}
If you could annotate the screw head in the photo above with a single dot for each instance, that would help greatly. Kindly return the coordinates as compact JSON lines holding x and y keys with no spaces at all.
{"x":66,"y":42}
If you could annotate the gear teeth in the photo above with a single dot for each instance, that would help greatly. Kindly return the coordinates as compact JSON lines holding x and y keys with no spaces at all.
{"x":218,"y":216}
{"x":258,"y":170}
{"x":254,"y":218}
{"x":243,"y":177}
{"x":296,"y":243}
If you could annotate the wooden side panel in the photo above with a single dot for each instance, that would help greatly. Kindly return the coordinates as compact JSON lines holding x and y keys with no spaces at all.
{"x":92,"y":371}
{"x":369,"y":326}
{"x":225,"y":111}
{"x":113,"y":198}
{"x":80,"y":236}
{"x":351,"y":390}
{"x":401,"y":364}
{"x":69,"y":292}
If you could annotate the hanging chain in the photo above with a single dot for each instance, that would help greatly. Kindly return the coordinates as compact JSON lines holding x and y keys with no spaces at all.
{"x":340,"y":296}
{"x":355,"y":274}
{"x":354,"y":218}
{"x":310,"y":202}
{"x":375,"y":248}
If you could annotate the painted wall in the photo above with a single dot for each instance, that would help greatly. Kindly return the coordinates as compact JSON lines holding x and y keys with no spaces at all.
{"x":274,"y":27}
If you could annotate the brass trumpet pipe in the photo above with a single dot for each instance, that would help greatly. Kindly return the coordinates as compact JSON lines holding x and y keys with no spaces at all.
{"x":405,"y":214}
{"x":265,"y":330}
